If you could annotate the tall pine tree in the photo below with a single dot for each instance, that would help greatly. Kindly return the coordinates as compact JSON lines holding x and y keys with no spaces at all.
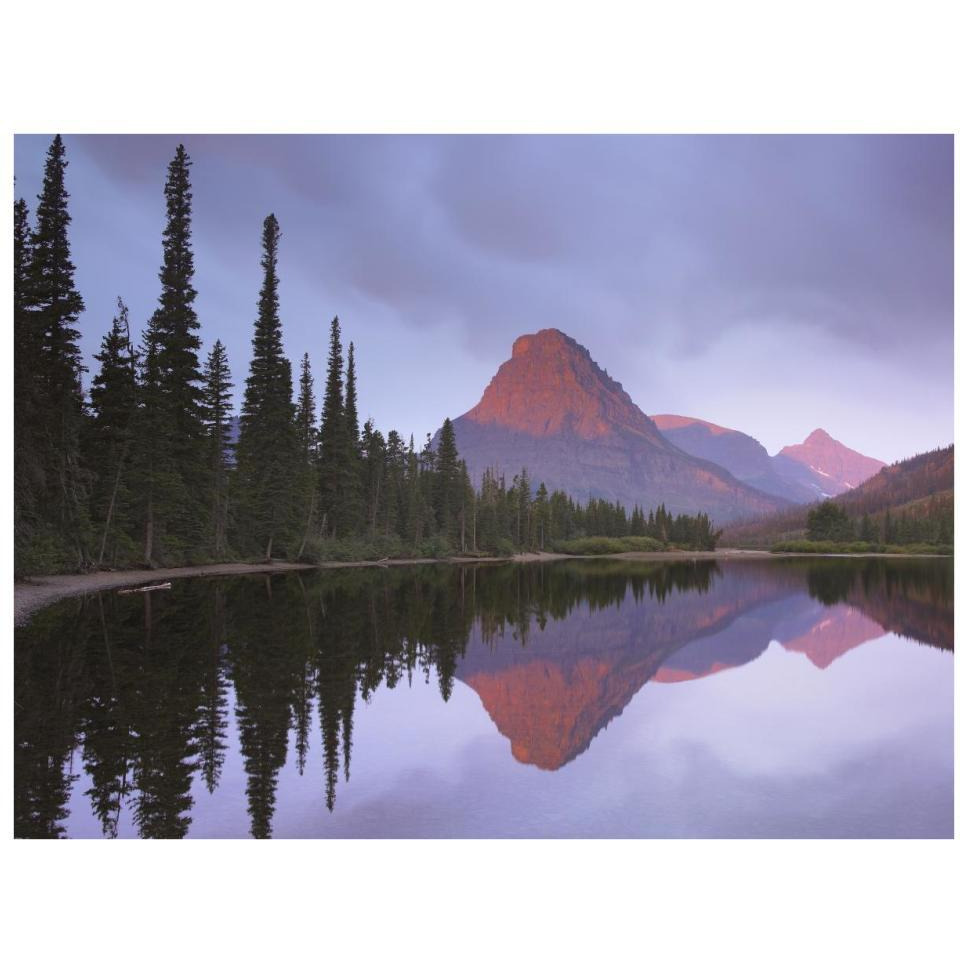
{"x":305,"y":422}
{"x":351,"y":509}
{"x":28,"y":473}
{"x":177,"y":509}
{"x":53,"y":306}
{"x":217,"y":409}
{"x":446,"y":480}
{"x":333,"y":438}
{"x":267,"y":449}
{"x":306,"y":415}
{"x":113,"y":402}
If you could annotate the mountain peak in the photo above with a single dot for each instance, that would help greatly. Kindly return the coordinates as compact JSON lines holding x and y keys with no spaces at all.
{"x":547,"y":339}
{"x":839,"y":467}
{"x":551,"y":385}
{"x":551,"y":410}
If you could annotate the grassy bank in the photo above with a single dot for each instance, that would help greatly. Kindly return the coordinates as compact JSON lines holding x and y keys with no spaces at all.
{"x":598,"y":546}
{"x":861,"y":546}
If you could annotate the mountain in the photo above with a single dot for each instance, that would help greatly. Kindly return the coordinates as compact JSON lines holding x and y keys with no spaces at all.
{"x":837,"y":468}
{"x":552,"y":410}
{"x":798,"y":623}
{"x":746,"y":458}
{"x":553,"y":693}
{"x":918,"y":487}
{"x":840,"y":629}
{"x":819,"y":467}
{"x":551,"y":690}
{"x":917,"y":478}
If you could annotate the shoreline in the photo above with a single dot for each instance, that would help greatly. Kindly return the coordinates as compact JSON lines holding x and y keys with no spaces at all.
{"x":35,"y":593}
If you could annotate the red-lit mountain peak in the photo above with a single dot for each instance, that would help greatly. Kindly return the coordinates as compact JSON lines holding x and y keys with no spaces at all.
{"x":833,"y":461}
{"x":551,"y":386}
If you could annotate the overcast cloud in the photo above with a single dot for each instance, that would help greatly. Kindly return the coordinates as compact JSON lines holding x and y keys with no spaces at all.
{"x":771,"y":284}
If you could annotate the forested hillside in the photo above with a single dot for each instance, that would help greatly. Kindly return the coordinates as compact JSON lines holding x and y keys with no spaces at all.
{"x":909,"y":501}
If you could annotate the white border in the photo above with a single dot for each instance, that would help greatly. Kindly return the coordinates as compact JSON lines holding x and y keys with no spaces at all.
{"x":456,"y":67}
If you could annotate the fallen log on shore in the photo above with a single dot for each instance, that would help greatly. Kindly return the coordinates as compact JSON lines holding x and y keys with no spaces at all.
{"x":148,"y":588}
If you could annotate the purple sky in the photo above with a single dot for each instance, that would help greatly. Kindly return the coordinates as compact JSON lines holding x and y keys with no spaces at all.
{"x":773,"y":284}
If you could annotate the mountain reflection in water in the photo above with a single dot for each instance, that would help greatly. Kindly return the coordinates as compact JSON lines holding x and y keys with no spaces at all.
{"x":125,"y":704}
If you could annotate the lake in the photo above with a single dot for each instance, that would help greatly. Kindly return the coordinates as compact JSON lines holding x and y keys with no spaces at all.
{"x":576,"y":698}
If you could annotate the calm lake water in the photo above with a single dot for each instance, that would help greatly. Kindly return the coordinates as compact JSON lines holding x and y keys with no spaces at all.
{"x":783,"y":698}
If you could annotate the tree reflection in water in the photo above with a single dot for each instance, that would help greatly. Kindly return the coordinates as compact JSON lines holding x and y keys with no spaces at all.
{"x":136,"y":688}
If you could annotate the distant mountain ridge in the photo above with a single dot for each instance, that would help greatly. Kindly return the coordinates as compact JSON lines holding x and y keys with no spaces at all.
{"x":552,"y":410}
{"x":819,"y":467}
{"x":745,"y":457}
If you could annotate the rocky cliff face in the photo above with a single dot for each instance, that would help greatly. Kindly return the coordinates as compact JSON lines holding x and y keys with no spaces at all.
{"x":836,"y":468}
{"x":552,"y":387}
{"x":552,"y":410}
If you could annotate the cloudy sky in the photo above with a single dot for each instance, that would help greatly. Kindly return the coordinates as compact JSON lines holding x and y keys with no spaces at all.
{"x":771,"y":284}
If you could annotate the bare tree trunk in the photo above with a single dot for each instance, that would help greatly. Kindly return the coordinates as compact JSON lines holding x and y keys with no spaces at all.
{"x":217,"y":524}
{"x":113,"y":502}
{"x":269,"y":547}
{"x":71,"y":510}
{"x":376,"y":505}
{"x":148,"y":534}
{"x":120,"y":463}
{"x":306,"y":531}
{"x":223,"y":520}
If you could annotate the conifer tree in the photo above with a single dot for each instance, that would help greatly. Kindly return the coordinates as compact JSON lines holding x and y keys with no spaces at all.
{"x":413,"y":506}
{"x":332,"y":434}
{"x":217,"y":409}
{"x":393,"y":484}
{"x":306,"y":415}
{"x":28,"y":472}
{"x":267,"y":449}
{"x":541,"y":518}
{"x":113,"y":402}
{"x":178,"y":469}
{"x":154,"y":481}
{"x":522,"y":510}
{"x":351,"y":501}
{"x":446,"y":479}
{"x":53,"y":306}
{"x":305,"y":423}
{"x":466,"y":509}
{"x":373,"y":468}
{"x":352,"y":425}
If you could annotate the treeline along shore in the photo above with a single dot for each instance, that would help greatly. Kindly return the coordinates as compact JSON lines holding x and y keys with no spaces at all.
{"x":146,"y":469}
